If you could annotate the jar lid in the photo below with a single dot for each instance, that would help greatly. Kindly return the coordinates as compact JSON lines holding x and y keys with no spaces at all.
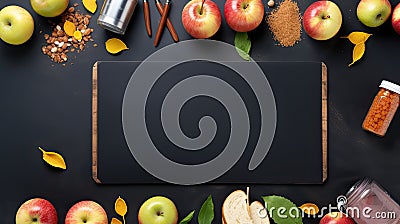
{"x":390,"y":86}
{"x":357,"y":189}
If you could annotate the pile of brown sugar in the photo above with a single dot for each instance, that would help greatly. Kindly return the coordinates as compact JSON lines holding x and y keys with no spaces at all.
{"x":285,"y":23}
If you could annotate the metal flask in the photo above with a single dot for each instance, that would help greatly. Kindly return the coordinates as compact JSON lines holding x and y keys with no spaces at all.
{"x":116,"y":14}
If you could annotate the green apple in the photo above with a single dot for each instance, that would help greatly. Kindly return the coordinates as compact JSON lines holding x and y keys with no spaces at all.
{"x":373,"y":13}
{"x":49,"y":8}
{"x":16,"y":25}
{"x":158,"y":210}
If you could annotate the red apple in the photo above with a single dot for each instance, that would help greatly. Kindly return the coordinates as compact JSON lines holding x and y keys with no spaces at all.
{"x":322,"y":20}
{"x":201,"y":18}
{"x":86,"y":212}
{"x":36,"y":211}
{"x":396,"y":18}
{"x":336,"y":218}
{"x":243,"y":15}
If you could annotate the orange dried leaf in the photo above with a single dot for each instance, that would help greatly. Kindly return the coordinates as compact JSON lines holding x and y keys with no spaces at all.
{"x":358,"y":52}
{"x":309,"y":208}
{"x":69,"y":28}
{"x":78,"y":35}
{"x":115,"y":45}
{"x":54,"y":159}
{"x":90,"y":5}
{"x":115,"y":221}
{"x":358,"y":37}
{"x":120,"y":207}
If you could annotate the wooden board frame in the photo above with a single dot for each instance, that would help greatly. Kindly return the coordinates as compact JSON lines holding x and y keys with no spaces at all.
{"x":324,"y":111}
{"x":94,"y":123}
{"x":324,"y":121}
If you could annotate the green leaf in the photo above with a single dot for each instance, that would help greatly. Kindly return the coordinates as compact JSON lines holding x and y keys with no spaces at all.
{"x":243,"y":45}
{"x":282,"y":210}
{"x":187,"y":219}
{"x":206,"y":213}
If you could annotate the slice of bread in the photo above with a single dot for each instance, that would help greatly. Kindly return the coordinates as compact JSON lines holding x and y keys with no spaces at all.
{"x":258,"y":213}
{"x":236,"y":210}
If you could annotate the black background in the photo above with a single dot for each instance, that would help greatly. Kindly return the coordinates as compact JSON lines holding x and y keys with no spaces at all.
{"x":46,"y":104}
{"x":115,"y":163}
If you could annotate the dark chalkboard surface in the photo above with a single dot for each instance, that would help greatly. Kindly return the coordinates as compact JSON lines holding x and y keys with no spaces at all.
{"x":298,"y":153}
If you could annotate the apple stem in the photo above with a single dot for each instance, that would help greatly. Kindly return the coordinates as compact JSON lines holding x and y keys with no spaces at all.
{"x":327,"y":17}
{"x":201,"y":8}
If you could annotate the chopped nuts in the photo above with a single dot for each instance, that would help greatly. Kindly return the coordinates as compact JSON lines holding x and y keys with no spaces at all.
{"x":58,"y":43}
{"x":271,"y":3}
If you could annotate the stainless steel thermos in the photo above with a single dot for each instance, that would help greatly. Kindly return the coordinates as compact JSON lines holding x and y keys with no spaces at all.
{"x":116,"y":14}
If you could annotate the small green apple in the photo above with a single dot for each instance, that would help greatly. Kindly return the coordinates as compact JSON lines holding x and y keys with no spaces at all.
{"x":16,"y":25}
{"x":158,"y":210}
{"x":49,"y":8}
{"x":373,"y":13}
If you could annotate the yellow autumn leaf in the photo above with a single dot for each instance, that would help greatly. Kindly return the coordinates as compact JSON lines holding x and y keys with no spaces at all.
{"x":358,"y":52}
{"x":54,"y":159}
{"x":69,"y":28}
{"x":115,"y":45}
{"x":115,"y":221}
{"x":358,"y":37}
{"x":121,"y":208}
{"x":309,"y":208}
{"x":78,"y":35}
{"x":90,"y":5}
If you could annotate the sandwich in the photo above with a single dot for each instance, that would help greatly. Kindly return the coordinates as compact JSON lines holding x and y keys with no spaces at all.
{"x":237,"y":210}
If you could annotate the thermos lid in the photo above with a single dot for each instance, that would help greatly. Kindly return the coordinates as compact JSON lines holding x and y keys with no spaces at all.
{"x":390,"y":86}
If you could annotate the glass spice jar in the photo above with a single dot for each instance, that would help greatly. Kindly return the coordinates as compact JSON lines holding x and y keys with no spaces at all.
{"x":383,"y":108}
{"x":369,"y":203}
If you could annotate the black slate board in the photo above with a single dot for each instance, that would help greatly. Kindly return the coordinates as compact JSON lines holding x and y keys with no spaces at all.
{"x":298,"y":153}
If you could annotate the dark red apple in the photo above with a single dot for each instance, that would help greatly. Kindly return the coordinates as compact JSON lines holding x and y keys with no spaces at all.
{"x":36,"y":211}
{"x":396,"y":18}
{"x":336,"y":218}
{"x":243,"y":15}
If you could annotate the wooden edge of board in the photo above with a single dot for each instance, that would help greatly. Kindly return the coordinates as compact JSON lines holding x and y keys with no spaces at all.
{"x":324,"y":122}
{"x":94,"y":123}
